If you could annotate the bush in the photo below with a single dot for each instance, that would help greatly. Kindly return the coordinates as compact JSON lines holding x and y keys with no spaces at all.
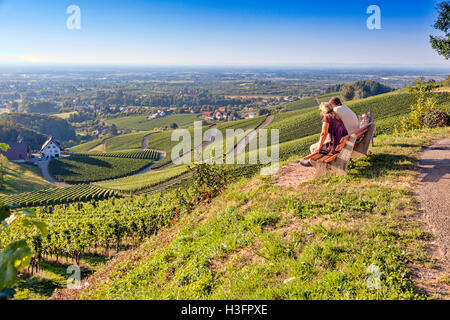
{"x":436,"y":119}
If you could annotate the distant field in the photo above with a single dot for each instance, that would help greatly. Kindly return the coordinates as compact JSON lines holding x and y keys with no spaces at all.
{"x":143,"y":181}
{"x":64,"y":115}
{"x":22,"y":178}
{"x":141,"y":123}
{"x":310,"y":102}
{"x":83,"y":169}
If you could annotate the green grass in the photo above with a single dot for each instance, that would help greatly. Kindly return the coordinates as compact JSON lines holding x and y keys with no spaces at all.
{"x":22,"y":178}
{"x":143,"y":182}
{"x":141,"y":123}
{"x":317,"y":241}
{"x":83,"y":169}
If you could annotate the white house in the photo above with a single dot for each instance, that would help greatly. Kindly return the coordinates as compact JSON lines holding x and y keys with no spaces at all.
{"x":51,"y":149}
{"x":251,"y":115}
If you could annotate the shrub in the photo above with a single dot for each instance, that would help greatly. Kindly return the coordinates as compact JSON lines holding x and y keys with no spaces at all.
{"x":436,"y":119}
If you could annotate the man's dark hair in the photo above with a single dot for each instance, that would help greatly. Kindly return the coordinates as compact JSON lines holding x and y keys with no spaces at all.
{"x":336,"y":101}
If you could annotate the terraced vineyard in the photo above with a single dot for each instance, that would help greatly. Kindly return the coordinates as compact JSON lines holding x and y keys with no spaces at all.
{"x":84,"y":169}
{"x":97,"y":226}
{"x":144,"y":181}
{"x":53,"y":196}
{"x":137,"y":154}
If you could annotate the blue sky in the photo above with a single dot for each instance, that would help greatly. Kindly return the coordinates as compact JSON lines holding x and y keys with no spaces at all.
{"x":259,"y":33}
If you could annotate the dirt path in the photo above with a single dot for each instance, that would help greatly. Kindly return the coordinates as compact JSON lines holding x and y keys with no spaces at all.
{"x":240,"y":147}
{"x":294,"y":174}
{"x":433,"y":192}
{"x":43,"y":165}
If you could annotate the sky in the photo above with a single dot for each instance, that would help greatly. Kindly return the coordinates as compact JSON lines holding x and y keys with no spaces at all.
{"x":218,"y":33}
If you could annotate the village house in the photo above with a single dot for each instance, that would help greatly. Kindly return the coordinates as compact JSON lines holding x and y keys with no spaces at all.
{"x":18,"y":152}
{"x":208,"y":115}
{"x":51,"y":149}
{"x":251,"y":115}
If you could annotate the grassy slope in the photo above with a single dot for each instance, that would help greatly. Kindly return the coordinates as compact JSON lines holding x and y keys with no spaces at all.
{"x":141,"y":122}
{"x":258,"y":241}
{"x":23,"y":178}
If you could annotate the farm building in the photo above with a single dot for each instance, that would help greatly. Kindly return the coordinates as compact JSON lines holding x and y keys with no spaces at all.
{"x":18,"y":151}
{"x":51,"y":149}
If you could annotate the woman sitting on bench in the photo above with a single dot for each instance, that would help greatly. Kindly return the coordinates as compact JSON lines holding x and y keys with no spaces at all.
{"x":333,"y":127}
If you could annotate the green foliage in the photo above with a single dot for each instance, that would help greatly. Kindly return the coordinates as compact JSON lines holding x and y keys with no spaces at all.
{"x":423,"y":105}
{"x":46,"y":125}
{"x":136,"y":154}
{"x":10,"y":131}
{"x":94,"y":226}
{"x":15,"y":254}
{"x":208,"y":179}
{"x":363,"y":89}
{"x":39,"y":107}
{"x":52,"y":196}
{"x":442,"y":43}
{"x":82,"y":169}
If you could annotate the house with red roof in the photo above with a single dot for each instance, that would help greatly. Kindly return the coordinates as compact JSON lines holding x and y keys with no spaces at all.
{"x":18,"y":151}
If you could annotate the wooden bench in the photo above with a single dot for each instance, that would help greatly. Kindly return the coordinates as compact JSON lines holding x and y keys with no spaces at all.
{"x":351,"y":147}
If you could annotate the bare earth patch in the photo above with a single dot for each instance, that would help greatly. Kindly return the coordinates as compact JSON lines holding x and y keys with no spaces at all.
{"x":294,"y":174}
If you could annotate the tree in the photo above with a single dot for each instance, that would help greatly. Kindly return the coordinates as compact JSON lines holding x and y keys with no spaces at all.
{"x":3,"y":162}
{"x":174,"y":126}
{"x":439,"y":43}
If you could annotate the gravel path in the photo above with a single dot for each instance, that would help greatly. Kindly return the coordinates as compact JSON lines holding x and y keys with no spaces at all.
{"x":43,"y":165}
{"x":433,"y":192}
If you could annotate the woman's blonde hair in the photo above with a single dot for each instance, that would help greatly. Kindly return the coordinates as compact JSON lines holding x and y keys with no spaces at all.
{"x":326,"y":110}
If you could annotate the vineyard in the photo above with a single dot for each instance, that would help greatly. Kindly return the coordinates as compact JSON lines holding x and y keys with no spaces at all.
{"x":97,"y":227}
{"x":142,"y":123}
{"x":136,"y":154}
{"x":83,"y":169}
{"x":126,"y":141}
{"x":52,"y":196}
{"x":144,"y":181}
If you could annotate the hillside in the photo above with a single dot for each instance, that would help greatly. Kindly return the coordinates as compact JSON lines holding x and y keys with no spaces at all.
{"x":46,"y":125}
{"x":10,"y":131}
{"x":22,"y":178}
{"x":256,"y":240}
{"x":316,"y":241}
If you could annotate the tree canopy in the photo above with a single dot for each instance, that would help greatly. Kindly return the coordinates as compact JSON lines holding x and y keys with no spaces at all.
{"x":442,"y":43}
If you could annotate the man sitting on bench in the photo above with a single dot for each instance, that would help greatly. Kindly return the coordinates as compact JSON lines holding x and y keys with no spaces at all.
{"x":332,"y":127}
